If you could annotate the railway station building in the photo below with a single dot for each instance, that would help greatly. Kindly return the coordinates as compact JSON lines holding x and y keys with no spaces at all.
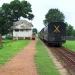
{"x":22,"y":29}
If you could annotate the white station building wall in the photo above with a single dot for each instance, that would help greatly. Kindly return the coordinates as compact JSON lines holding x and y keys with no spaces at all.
{"x":24,"y":33}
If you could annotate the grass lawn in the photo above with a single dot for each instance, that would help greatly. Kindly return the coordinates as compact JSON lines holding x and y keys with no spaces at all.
{"x":10,"y":48}
{"x":44,"y":63}
{"x":70,"y":45}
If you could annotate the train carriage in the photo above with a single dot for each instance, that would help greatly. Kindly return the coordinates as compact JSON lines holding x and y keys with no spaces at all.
{"x":54,"y":33}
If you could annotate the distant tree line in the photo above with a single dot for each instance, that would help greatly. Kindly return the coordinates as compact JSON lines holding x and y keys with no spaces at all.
{"x":70,"y":31}
{"x":11,"y":12}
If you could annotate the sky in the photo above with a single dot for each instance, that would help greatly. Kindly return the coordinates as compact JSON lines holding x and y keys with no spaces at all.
{"x":41,"y":7}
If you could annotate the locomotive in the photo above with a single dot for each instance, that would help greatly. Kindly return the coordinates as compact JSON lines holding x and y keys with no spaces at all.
{"x":54,"y":33}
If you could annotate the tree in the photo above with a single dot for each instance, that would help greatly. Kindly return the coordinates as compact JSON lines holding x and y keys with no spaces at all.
{"x":54,"y":15}
{"x":26,"y":10}
{"x":74,"y":32}
{"x":15,"y":8}
{"x":12,"y":12}
{"x":69,"y":30}
{"x":5,"y":22}
{"x":34,"y":30}
{"x":21,"y":9}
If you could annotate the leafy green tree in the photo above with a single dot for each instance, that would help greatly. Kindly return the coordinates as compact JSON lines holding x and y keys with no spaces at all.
{"x":5,"y":22}
{"x":19,"y":9}
{"x":26,"y":10}
{"x":15,"y":8}
{"x":54,"y":15}
{"x":74,"y":32}
{"x":69,"y":30}
{"x":34,"y":30}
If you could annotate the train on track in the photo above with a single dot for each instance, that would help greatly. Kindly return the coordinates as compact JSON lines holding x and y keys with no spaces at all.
{"x":54,"y":33}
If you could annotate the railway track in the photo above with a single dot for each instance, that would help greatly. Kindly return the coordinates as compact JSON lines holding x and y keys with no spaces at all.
{"x":66,"y":57}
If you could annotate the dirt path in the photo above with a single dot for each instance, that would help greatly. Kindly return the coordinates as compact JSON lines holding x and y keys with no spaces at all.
{"x":22,"y":63}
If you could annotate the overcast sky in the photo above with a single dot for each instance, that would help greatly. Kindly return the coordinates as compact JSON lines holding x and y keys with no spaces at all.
{"x":41,"y":7}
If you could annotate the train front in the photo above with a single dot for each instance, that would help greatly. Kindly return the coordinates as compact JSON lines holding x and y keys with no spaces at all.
{"x":57,"y":33}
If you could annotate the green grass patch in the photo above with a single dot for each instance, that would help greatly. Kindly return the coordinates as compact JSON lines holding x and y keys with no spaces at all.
{"x":44,"y":63}
{"x":70,"y":45}
{"x":10,"y":48}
